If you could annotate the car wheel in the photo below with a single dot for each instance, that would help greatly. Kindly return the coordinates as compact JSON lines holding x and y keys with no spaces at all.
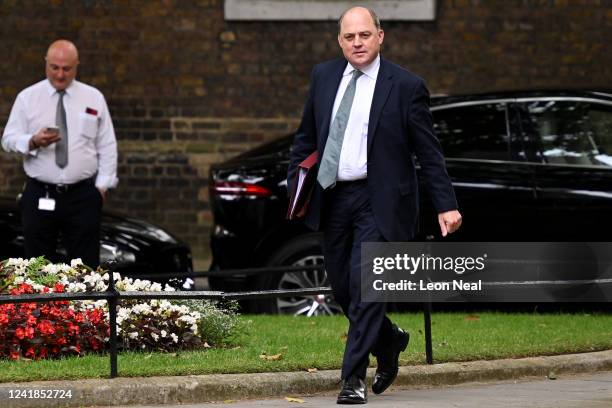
{"x":303,"y":251}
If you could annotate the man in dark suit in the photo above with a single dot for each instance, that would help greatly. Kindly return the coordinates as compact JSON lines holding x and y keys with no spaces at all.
{"x":368,"y":117}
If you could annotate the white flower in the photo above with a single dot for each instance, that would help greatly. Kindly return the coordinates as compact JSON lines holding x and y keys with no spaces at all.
{"x":91,"y":278}
{"x":163,"y":333}
{"x":51,"y":269}
{"x":123,"y":314}
{"x":133,"y":335}
{"x":174,"y":337}
{"x":155,"y":287}
{"x":76,"y":262}
{"x":155,"y":336}
{"x":101,"y":286}
{"x":18,"y":262}
{"x":64,"y":268}
{"x":142,"y":308}
{"x":100,"y":304}
{"x":76,"y":287}
{"x":39,"y":288}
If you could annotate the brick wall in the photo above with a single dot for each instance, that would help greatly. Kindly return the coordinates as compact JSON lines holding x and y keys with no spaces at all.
{"x":186,"y":88}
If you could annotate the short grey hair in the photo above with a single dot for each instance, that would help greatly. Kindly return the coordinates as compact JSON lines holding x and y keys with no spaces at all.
{"x":375,"y":18}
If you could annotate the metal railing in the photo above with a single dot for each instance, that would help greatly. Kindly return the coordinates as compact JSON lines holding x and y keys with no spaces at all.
{"x":113,"y":296}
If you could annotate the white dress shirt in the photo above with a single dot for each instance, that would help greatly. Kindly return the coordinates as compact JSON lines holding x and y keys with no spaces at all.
{"x":353,"y":163}
{"x":92,"y":147}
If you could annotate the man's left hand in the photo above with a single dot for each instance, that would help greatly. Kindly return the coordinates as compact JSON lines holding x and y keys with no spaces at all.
{"x":449,"y":221}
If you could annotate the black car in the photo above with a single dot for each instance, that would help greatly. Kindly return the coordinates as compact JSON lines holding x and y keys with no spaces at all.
{"x":140,"y":249}
{"x":526,"y":166}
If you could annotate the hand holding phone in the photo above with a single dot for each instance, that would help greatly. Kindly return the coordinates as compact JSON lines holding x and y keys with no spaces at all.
{"x":44,"y":137}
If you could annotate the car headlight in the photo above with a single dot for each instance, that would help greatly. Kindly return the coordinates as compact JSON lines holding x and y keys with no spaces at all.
{"x":111,"y":252}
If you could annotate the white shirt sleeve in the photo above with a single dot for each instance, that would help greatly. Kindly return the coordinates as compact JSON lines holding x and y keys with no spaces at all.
{"x":16,"y":137}
{"x":106,"y":145}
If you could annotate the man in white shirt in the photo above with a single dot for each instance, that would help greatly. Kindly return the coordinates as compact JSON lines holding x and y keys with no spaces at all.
{"x":64,"y":131}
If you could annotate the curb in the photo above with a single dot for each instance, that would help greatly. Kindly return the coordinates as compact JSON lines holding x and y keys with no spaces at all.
{"x":202,"y":388}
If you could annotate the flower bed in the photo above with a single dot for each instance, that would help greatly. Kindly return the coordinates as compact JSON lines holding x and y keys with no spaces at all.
{"x":55,"y":329}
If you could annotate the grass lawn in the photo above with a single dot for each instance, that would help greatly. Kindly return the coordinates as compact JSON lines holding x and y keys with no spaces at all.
{"x":318,"y":343}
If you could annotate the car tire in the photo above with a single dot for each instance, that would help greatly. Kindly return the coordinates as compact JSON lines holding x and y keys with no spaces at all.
{"x":304,"y":250}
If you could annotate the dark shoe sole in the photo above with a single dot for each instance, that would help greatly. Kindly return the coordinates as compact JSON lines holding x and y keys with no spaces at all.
{"x":350,"y":401}
{"x":403,"y":345}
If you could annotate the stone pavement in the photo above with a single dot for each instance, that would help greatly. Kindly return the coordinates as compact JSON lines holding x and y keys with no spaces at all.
{"x":571,"y":391}
{"x":197,"y":389}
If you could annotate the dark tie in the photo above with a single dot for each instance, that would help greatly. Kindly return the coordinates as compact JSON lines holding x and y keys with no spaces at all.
{"x":328,"y":168}
{"x":61,"y":147}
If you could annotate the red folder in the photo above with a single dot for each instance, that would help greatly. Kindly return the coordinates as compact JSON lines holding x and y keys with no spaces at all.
{"x":303,"y":184}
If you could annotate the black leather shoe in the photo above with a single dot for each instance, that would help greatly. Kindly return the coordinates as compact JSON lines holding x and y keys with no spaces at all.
{"x":353,"y":391}
{"x":388,"y":361}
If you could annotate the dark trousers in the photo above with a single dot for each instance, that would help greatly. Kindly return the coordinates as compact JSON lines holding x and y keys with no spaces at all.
{"x":349,"y":221}
{"x":76,"y":220}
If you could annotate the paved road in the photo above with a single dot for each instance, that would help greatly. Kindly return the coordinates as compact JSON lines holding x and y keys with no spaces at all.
{"x":583,"y":391}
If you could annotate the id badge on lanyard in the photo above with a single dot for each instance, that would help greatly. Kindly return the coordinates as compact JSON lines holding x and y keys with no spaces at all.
{"x":46,"y":203}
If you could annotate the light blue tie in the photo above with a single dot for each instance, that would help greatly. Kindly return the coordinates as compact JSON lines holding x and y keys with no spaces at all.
{"x":328,"y":168}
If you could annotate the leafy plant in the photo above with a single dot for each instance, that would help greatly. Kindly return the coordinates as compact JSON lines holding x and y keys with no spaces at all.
{"x":218,"y":322}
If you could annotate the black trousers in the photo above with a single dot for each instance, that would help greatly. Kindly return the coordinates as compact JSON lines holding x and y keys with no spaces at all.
{"x":75,"y":221}
{"x":349,"y":221}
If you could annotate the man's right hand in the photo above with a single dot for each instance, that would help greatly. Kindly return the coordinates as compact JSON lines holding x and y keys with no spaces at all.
{"x":43,"y":138}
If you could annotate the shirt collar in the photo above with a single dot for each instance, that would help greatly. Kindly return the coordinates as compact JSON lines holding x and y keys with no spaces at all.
{"x":51,"y":90}
{"x":370,"y":70}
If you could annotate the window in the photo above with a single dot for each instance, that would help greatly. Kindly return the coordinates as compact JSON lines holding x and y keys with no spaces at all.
{"x":302,"y":10}
{"x":572,"y":132}
{"x":473,"y":132}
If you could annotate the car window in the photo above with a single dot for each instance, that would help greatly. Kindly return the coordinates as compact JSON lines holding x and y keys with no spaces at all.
{"x":473,"y":132}
{"x":571,"y":132}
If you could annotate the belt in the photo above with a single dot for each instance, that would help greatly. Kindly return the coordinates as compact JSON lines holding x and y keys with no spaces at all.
{"x":62,"y":188}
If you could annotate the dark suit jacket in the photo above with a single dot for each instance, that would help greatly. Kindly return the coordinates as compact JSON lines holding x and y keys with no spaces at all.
{"x":400,"y":125}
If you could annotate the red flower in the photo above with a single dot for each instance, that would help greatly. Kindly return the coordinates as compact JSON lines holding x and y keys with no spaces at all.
{"x":51,"y":329}
{"x":20,"y":333}
{"x":73,"y":329}
{"x":29,"y":332}
{"x":45,"y":327}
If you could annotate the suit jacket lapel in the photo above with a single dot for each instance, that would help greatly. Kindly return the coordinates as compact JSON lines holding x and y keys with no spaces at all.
{"x":330,"y":84}
{"x":382,"y":88}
